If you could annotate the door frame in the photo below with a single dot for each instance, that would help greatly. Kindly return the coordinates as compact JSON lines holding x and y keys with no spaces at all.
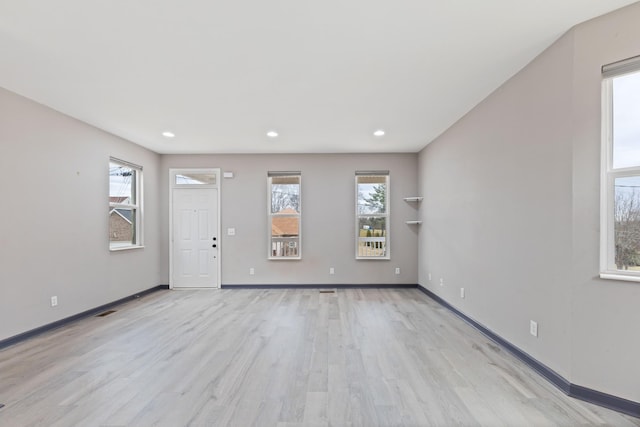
{"x":172,"y":185}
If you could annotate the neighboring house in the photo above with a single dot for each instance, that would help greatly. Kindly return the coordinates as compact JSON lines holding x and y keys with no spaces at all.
{"x":285,"y":231}
{"x":120,"y":225}
{"x":120,"y":220}
{"x":119,"y":199}
{"x":285,"y":226}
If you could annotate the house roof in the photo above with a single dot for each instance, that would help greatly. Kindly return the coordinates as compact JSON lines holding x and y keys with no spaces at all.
{"x":118,"y":199}
{"x":285,"y":225}
{"x":126,"y":214}
{"x":325,"y":74}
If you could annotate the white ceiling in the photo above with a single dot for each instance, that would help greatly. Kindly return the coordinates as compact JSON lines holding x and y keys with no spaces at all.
{"x":325,"y":74}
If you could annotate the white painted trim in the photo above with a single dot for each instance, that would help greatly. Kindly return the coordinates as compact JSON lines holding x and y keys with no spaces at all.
{"x":125,"y":248}
{"x":138,"y":206}
{"x":270,"y":175}
{"x":387,"y":215}
{"x":608,"y":176}
{"x":217,"y":186}
{"x":606,"y":226}
{"x":617,"y":276}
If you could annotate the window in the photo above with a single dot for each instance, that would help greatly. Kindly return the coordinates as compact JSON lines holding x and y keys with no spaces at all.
{"x":372,"y":215}
{"x":125,"y":205}
{"x":620,"y":212}
{"x":195,"y":178}
{"x":284,"y":215}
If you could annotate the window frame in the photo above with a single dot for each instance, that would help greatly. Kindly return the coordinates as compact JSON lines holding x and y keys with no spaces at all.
{"x":609,"y":174}
{"x":386,"y":215}
{"x":271,"y":215}
{"x":136,"y":206}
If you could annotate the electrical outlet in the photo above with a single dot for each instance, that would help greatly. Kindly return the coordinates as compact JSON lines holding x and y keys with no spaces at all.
{"x":533,"y":328}
{"x":252,"y":271}
{"x":461,"y":292}
{"x":332,"y":270}
{"x":441,"y":281}
{"x":397,"y":270}
{"x":54,"y":301}
{"x":231,"y":231}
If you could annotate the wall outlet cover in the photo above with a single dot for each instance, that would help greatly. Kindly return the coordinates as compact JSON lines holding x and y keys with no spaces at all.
{"x":533,"y":328}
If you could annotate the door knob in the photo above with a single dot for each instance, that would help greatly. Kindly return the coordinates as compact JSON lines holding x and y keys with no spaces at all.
{"x":214,"y":246}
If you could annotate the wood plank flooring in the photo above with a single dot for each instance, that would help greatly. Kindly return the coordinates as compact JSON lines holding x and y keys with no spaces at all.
{"x":279,"y":358}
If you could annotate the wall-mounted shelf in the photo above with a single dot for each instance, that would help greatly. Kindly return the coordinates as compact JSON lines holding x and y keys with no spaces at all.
{"x":413,"y":199}
{"x":413,"y":222}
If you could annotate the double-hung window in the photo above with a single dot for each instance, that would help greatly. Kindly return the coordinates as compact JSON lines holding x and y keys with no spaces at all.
{"x":372,"y":215}
{"x":125,"y":205}
{"x":284,"y":215}
{"x":620,"y":188}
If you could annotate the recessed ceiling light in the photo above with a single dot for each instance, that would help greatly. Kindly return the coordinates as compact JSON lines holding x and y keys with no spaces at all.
{"x":272,"y":134}
{"x":168,"y":134}
{"x":379,"y":132}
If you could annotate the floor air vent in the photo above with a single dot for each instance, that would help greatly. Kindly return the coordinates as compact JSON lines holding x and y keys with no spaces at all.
{"x":106,"y":313}
{"x":327,"y":291}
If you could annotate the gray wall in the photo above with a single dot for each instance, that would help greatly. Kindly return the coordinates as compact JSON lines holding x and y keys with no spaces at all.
{"x":511,"y":213}
{"x":54,"y":227}
{"x":328,"y":224}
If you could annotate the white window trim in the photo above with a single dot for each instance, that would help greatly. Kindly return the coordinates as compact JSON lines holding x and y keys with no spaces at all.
{"x":608,"y":175}
{"x":270,"y":215}
{"x":138,"y":206}
{"x":173,"y":173}
{"x":387,"y":215}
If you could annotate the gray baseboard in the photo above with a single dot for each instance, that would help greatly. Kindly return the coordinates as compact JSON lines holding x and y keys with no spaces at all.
{"x":319,"y":286}
{"x":579,"y":392}
{"x":62,"y":322}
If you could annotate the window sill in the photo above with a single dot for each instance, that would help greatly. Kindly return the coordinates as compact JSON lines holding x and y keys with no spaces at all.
{"x":125,"y":248}
{"x":285,"y":258}
{"x":621,"y":276}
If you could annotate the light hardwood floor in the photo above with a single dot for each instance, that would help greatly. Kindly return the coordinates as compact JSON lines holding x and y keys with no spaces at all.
{"x":279,"y":358}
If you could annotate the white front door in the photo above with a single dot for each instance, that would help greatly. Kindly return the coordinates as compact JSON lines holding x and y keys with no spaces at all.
{"x":195,"y":238}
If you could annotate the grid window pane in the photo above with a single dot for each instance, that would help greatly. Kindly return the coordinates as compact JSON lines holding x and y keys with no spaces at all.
{"x":122,"y":227}
{"x":285,"y":236}
{"x":285,"y":195}
{"x":122,"y":184}
{"x":196,"y":179}
{"x":626,"y":121}
{"x":627,"y":223}
{"x":372,"y":236}
{"x":372,"y":195}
